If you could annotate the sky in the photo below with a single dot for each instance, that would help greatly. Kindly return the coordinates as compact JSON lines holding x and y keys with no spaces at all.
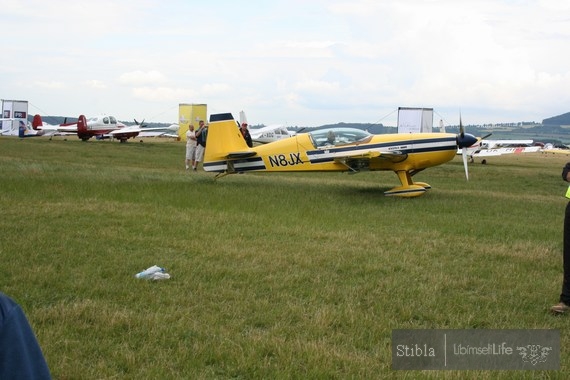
{"x":296,"y":62}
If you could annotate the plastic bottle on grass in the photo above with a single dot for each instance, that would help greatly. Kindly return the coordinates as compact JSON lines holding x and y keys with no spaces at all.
{"x":148,"y":273}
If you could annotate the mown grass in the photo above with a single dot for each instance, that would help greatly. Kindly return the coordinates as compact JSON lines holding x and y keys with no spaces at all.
{"x":273,"y":276}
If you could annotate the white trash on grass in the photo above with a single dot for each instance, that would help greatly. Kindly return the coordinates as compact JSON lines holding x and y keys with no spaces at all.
{"x":153,"y":273}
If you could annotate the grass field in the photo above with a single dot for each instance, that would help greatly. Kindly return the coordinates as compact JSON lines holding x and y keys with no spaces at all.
{"x":273,"y":275}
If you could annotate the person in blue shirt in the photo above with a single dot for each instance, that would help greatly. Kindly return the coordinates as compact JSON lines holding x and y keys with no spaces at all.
{"x":20,"y":354}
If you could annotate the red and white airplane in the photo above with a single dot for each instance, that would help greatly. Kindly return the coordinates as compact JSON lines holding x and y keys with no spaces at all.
{"x":98,"y":126}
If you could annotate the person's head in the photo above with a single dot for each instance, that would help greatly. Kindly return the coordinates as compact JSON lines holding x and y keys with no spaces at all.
{"x":191,"y":127}
{"x":243,"y":125}
{"x":201,"y":123}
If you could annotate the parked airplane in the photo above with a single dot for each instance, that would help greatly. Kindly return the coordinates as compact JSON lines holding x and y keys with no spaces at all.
{"x":24,"y":129}
{"x":102,"y":126}
{"x":334,"y":149}
{"x":267,"y":134}
{"x":492,"y":148}
{"x":270,"y":133}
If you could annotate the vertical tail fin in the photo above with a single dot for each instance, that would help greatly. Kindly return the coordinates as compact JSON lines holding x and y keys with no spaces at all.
{"x":242,"y":118}
{"x":82,"y":130}
{"x":224,"y":137}
{"x":37,"y":122}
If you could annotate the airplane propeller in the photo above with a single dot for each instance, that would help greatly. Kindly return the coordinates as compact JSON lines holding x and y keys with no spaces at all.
{"x":464,"y":140}
{"x":141,"y":124}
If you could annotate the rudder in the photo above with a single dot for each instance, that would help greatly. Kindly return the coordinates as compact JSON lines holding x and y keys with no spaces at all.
{"x":224,"y":137}
{"x":82,"y":130}
{"x":37,"y":122}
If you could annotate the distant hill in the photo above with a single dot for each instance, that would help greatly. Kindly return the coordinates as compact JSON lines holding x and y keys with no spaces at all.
{"x":563,"y":119}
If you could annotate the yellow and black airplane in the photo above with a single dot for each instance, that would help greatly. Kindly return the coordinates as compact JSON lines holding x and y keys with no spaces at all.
{"x":334,"y":149}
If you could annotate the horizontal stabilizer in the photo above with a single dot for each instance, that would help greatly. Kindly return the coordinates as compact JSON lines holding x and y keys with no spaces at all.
{"x":241,"y":154}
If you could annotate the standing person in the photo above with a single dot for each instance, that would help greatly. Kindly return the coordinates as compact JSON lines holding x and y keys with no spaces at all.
{"x":564,"y":305}
{"x":20,"y":354}
{"x":246,"y":135}
{"x":201,"y":136}
{"x":191,"y":148}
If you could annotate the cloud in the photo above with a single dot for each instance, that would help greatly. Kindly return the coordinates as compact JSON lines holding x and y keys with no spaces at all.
{"x":94,"y":83}
{"x":49,"y":84}
{"x":142,"y":78}
{"x":334,"y":59}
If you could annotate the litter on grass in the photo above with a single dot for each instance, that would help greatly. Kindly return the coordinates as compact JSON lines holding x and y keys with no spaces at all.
{"x":153,"y":273}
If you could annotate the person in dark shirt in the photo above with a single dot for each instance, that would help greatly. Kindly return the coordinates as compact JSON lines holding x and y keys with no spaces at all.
{"x":246,"y":135}
{"x":564,"y":305}
{"x":20,"y":354}
{"x":201,"y":136}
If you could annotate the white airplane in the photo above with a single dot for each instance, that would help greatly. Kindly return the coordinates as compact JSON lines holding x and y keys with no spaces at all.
{"x":267,"y":134}
{"x":100,"y":126}
{"x":270,"y":133}
{"x":24,"y":129}
{"x":493,"y":148}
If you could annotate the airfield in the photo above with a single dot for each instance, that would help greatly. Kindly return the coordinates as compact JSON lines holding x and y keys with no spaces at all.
{"x":291,"y":275}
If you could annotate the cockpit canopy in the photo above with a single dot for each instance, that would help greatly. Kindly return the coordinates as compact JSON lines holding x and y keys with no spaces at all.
{"x":102,"y":120}
{"x":338,"y":136}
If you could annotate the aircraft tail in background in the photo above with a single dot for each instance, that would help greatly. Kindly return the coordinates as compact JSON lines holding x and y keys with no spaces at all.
{"x":23,"y":131}
{"x":82,"y":130}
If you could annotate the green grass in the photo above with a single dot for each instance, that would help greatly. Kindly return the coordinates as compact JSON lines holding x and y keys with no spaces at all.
{"x":273,"y":275}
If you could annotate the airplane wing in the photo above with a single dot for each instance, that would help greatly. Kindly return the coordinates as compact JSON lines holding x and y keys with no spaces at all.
{"x":556,"y":151}
{"x":156,"y":133}
{"x":240,"y":154}
{"x":54,"y":129}
{"x":362,"y":161}
{"x":490,"y":144}
{"x":144,"y":132}
{"x":501,"y":151}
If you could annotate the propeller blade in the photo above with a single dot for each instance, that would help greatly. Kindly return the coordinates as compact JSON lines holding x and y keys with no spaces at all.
{"x":464,"y":155}
{"x":464,"y":140}
{"x":487,"y":135}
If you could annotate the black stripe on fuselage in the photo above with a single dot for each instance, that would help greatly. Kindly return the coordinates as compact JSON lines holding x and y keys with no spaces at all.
{"x":403,"y":147}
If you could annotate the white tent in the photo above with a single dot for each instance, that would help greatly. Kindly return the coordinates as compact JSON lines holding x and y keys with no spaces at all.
{"x":14,"y":113}
{"x":415,"y":120}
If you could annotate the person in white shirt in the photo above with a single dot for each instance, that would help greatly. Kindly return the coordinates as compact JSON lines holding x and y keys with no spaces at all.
{"x":191,"y":148}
